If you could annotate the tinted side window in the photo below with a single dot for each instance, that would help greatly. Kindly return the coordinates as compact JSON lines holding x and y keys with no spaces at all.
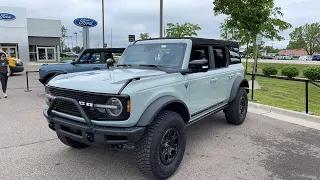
{"x":234,"y":55}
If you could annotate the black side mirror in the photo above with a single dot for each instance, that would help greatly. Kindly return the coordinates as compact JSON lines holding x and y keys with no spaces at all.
{"x":110,"y":62}
{"x":201,"y":65}
{"x":73,"y":62}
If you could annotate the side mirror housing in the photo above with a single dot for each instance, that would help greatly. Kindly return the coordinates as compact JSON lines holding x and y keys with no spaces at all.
{"x":110,"y":62}
{"x":201,"y":65}
{"x":73,"y":62}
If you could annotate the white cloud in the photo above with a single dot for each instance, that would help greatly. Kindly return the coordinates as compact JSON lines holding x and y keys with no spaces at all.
{"x":134,"y":17}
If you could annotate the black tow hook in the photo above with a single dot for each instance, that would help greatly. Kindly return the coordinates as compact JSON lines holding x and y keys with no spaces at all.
{"x":51,"y":126}
{"x":117,"y":147}
{"x":90,"y":137}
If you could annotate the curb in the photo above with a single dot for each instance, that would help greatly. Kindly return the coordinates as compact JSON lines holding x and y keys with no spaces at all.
{"x":285,"y":112}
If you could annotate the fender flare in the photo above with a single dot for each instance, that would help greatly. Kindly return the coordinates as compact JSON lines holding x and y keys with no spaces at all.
{"x":155,"y":107}
{"x":239,"y":82}
{"x":54,"y":73}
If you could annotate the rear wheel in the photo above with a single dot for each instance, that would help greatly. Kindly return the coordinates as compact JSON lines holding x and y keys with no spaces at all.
{"x":11,"y":71}
{"x":161,"y":149}
{"x":237,"y":110}
{"x":72,"y":143}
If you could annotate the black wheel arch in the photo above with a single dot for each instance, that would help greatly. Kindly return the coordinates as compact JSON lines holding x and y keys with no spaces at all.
{"x":52,"y":74}
{"x":164,"y":103}
{"x":239,"y":82}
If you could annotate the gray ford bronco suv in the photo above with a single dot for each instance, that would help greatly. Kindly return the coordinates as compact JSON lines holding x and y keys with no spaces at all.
{"x":158,"y":87}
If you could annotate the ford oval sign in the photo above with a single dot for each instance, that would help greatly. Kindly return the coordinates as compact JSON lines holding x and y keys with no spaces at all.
{"x":7,"y":17}
{"x":85,"y":22}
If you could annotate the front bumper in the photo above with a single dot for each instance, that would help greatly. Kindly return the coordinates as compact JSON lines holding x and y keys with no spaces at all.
{"x":89,"y":133}
{"x":17,"y":69}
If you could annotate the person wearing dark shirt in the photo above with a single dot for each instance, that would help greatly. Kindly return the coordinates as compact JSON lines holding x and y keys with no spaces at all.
{"x":4,"y":73}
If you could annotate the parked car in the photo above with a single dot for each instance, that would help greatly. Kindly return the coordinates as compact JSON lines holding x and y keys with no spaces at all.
{"x":305,"y":58}
{"x":159,"y":87}
{"x":89,"y":60}
{"x":285,"y":57}
{"x":68,"y":54}
{"x":15,"y":64}
{"x":266,"y":57}
{"x":316,"y":57}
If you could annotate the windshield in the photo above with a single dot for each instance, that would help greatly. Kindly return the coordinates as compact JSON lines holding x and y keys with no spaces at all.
{"x":169,"y":55}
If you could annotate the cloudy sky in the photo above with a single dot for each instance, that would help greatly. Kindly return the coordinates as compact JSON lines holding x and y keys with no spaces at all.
{"x":126,"y":17}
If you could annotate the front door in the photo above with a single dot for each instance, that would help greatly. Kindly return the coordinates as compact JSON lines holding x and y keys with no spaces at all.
{"x":90,"y":62}
{"x":202,"y":85}
{"x":10,"y":50}
{"x":46,"y":54}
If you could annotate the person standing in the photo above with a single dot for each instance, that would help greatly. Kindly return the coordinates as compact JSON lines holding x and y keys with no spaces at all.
{"x":4,"y":73}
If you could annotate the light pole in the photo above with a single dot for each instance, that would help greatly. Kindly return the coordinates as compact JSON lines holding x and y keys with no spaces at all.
{"x":76,"y":38}
{"x":71,"y":43}
{"x":102,"y":23}
{"x":161,"y":17}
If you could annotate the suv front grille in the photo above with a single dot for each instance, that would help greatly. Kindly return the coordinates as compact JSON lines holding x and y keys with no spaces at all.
{"x":70,"y":108}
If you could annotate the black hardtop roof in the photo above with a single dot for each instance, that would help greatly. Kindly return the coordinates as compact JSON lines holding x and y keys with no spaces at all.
{"x":202,"y":41}
{"x":113,"y":50}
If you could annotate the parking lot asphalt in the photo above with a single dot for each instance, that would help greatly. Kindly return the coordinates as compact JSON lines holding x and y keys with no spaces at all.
{"x":261,"y":148}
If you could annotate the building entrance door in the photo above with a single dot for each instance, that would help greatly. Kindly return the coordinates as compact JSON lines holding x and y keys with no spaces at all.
{"x":46,"y":53}
{"x":10,"y":50}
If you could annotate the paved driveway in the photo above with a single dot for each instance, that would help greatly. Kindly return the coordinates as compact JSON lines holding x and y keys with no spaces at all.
{"x":261,"y":148}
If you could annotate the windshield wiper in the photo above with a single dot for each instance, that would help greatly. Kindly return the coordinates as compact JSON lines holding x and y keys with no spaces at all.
{"x":127,"y":65}
{"x":152,"y":65}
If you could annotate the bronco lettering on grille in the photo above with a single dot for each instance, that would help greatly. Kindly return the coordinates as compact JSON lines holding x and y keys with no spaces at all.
{"x":82,"y":103}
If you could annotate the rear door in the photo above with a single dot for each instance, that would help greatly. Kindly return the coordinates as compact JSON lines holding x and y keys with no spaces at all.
{"x":223,"y":73}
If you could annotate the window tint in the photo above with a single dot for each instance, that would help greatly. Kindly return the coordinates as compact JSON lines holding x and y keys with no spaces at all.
{"x":219,"y":55}
{"x":90,"y":58}
{"x":234,"y":55}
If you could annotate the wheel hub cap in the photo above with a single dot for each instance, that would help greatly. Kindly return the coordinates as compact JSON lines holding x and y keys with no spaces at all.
{"x":169,"y":146}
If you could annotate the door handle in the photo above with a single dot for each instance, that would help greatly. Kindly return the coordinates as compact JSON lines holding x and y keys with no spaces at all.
{"x":231,"y":75}
{"x":213,"y":80}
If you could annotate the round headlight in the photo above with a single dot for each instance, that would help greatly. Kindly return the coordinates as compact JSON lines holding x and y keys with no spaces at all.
{"x":117,"y":108}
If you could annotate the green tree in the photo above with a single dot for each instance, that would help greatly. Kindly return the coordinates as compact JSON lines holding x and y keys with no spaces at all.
{"x":270,"y":49}
{"x":63,"y":36}
{"x":144,"y":36}
{"x":248,"y":18}
{"x":306,"y":37}
{"x":182,"y":30}
{"x":77,"y":49}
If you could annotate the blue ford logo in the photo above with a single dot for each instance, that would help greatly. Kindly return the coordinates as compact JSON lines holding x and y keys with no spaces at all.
{"x":85,"y":22}
{"x":7,"y":16}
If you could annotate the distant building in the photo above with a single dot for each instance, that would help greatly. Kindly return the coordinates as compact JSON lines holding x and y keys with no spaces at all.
{"x":295,"y":52}
{"x":29,"y":39}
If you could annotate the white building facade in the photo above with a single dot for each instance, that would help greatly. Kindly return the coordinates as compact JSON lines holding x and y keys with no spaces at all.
{"x":29,"y":39}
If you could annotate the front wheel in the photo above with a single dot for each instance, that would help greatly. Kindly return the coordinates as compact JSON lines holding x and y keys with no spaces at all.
{"x":161,"y":149}
{"x":237,"y":110}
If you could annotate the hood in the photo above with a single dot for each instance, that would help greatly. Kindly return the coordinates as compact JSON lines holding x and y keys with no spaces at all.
{"x":14,"y":59}
{"x":104,"y":81}
{"x":52,"y":66}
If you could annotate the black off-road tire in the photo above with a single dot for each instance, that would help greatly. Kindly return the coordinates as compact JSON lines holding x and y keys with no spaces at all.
{"x":147,"y":150}
{"x":72,"y":143}
{"x":237,"y":110}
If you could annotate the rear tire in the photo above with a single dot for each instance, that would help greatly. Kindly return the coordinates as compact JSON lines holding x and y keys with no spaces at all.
{"x":161,"y":149}
{"x":236,"y":112}
{"x":72,"y":143}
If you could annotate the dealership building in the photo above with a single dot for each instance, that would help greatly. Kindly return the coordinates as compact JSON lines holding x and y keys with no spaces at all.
{"x":29,"y":39}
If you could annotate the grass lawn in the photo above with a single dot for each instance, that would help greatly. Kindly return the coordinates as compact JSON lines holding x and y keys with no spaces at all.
{"x":278,"y":66}
{"x":286,"y":94}
{"x":66,"y":58}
